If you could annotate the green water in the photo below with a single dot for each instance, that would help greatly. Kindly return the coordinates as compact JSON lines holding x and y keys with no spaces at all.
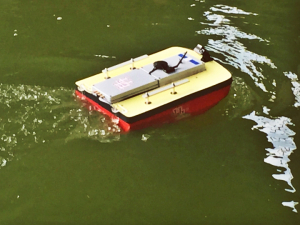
{"x":61,"y":163}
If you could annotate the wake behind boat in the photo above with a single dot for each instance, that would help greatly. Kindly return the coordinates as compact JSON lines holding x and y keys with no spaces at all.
{"x":163,"y":87}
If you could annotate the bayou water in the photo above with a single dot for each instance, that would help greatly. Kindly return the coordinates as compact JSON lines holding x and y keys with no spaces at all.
{"x":61,"y":163}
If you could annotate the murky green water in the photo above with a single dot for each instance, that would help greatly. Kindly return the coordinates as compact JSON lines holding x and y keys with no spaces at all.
{"x":63,"y":164}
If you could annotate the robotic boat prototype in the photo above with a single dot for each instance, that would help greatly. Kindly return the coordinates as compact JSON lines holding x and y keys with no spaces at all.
{"x":160,"y":88}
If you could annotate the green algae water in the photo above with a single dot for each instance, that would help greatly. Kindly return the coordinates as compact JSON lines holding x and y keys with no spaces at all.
{"x":63,"y":163}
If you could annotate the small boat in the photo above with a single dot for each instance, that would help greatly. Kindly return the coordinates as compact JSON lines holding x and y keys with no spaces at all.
{"x":159,"y":88}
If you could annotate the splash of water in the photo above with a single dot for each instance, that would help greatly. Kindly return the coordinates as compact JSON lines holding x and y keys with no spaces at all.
{"x":35,"y":115}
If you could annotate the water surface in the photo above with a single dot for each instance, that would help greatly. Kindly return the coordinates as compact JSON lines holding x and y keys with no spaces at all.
{"x":63,"y":163}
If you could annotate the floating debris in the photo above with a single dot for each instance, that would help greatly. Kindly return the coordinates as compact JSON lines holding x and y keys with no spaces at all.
{"x":145,"y":137}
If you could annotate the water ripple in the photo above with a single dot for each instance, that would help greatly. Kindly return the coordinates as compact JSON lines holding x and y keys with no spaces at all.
{"x":281,"y":136}
{"x":227,"y":40}
{"x":230,"y":10}
{"x":230,"y":44}
{"x":35,"y":115}
{"x":296,"y":87}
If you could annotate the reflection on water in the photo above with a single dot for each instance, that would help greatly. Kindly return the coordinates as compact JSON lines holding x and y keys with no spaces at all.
{"x":84,"y":37}
{"x":226,"y":40}
{"x":34,"y":114}
{"x":281,"y":136}
{"x":296,"y":87}
{"x":229,"y":9}
{"x":230,"y":45}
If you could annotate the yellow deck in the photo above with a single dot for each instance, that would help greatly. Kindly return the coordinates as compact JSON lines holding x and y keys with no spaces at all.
{"x":214,"y":74}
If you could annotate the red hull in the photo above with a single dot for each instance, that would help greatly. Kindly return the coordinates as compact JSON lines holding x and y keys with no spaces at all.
{"x":193,"y":107}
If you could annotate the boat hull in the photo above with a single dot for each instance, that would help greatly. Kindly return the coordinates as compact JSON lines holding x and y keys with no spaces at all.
{"x":192,"y":105}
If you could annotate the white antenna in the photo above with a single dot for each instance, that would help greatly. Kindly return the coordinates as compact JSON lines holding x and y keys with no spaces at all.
{"x":105,"y":71}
